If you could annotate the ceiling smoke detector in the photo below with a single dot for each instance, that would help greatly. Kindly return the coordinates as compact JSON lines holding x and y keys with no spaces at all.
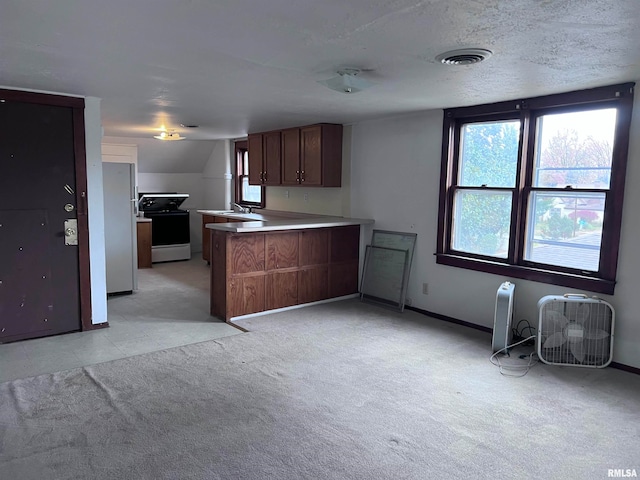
{"x":465,"y":56}
{"x":347,"y":81}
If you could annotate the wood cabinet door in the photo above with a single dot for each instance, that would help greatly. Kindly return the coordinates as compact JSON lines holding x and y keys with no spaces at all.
{"x":344,"y":248}
{"x":144,"y":244}
{"x":282,"y":250}
{"x":345,"y":243}
{"x":313,"y":284}
{"x":218,"y":273}
{"x":343,"y":279}
{"x":272,"y":159}
{"x":282,"y":289}
{"x":311,"y":155}
{"x":246,"y":295}
{"x":246,"y":252}
{"x":291,"y":156}
{"x":314,"y":247}
{"x":254,"y":147}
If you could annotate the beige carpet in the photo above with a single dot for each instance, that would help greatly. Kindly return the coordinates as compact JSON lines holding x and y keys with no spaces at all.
{"x":337,"y":391}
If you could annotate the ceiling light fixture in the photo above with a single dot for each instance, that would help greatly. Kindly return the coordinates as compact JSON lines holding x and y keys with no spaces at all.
{"x":169,"y":136}
{"x":347,"y":81}
{"x":464,"y":56}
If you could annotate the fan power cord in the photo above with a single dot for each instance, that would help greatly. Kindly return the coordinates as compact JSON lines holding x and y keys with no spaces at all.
{"x":504,"y":369}
{"x":519,"y":334}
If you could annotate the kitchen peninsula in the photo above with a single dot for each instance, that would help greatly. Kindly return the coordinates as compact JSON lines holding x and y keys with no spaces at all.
{"x":262,"y":262}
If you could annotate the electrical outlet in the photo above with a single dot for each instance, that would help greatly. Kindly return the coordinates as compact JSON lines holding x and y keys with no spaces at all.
{"x":408,"y":301}
{"x":425,"y":289}
{"x":306,"y":197}
{"x":286,"y":194}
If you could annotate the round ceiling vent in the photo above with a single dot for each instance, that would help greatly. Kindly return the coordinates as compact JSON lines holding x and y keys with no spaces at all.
{"x":465,"y":56}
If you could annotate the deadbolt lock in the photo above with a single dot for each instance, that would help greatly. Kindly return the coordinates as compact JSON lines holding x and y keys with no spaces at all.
{"x":69,"y":208}
{"x":71,"y":231}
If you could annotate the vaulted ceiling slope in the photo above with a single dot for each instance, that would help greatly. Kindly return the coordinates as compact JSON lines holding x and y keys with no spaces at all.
{"x":186,"y":156}
{"x":234,"y":66}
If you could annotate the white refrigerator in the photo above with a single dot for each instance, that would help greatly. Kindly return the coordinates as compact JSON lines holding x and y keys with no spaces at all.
{"x":120,"y":227}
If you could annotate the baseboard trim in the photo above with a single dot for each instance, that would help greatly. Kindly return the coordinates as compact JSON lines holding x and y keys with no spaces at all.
{"x":619,"y":366}
{"x":446,"y":318}
{"x":285,"y":309}
{"x":96,"y":326}
{"x":626,"y":368}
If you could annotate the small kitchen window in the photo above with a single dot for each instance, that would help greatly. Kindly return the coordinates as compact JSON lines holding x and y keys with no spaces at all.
{"x":246,"y":195}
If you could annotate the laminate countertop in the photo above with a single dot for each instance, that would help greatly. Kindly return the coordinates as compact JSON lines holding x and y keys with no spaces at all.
{"x":266,"y":222}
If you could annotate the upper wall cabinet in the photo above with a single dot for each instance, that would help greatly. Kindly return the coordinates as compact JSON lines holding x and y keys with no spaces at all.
{"x":321,"y":155}
{"x":264,"y":158}
{"x":254,"y":146}
{"x":291,"y":156}
{"x":310,"y":155}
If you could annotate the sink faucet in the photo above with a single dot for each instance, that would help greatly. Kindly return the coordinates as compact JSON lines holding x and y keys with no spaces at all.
{"x":240,"y":208}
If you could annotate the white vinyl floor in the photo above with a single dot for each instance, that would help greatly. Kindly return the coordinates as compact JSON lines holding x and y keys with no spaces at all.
{"x":169,"y":309}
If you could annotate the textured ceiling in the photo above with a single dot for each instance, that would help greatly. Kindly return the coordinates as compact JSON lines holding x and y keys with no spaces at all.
{"x":234,"y":66}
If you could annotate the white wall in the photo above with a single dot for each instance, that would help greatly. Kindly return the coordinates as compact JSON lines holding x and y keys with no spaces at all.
{"x":157,"y":156}
{"x":625,"y":300}
{"x":93,"y":138}
{"x":395,"y":173}
{"x":217,"y":177}
{"x":121,"y":153}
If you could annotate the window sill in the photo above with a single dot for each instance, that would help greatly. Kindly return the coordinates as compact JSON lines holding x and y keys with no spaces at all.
{"x":578,"y":282}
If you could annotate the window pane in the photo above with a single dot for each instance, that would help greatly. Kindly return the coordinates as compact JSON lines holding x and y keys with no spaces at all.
{"x":565,"y":229}
{"x":481,"y":222}
{"x":251,"y":193}
{"x":489,"y":154}
{"x":575,"y":149}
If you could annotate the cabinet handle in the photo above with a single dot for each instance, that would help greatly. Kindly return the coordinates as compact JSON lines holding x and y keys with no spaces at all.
{"x":302,"y":176}
{"x":264,"y":179}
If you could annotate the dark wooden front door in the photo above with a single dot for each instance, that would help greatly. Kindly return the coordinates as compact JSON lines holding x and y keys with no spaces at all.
{"x":39,"y":272}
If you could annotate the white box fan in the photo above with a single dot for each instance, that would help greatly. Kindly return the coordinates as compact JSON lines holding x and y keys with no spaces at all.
{"x":575,"y":330}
